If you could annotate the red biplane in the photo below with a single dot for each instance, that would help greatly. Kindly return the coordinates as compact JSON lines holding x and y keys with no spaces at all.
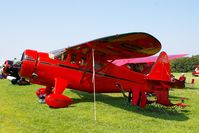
{"x":89,"y":67}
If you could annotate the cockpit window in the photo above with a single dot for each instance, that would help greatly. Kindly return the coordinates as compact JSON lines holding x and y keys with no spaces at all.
{"x":72,"y":57}
{"x":60,"y":54}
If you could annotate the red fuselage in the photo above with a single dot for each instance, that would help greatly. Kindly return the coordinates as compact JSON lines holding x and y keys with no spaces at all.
{"x":41,"y":69}
{"x":77,"y":73}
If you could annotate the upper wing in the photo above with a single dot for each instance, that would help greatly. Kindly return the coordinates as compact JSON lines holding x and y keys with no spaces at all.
{"x":151,"y":59}
{"x":130,"y":45}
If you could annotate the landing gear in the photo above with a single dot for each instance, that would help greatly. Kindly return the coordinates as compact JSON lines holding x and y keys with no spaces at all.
{"x":14,"y":81}
{"x":56,"y":99}
{"x":136,"y":97}
{"x":129,"y":97}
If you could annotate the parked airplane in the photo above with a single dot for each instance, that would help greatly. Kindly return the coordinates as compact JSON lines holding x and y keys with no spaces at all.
{"x":11,"y":72}
{"x":88,"y":67}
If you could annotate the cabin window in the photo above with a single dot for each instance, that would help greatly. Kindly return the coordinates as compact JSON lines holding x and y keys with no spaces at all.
{"x":140,"y":67}
{"x":98,"y":65}
{"x":82,"y":61}
{"x":62,"y":57}
{"x":73,"y":58}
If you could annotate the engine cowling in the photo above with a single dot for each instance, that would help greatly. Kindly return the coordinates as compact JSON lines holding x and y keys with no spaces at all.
{"x":29,"y":62}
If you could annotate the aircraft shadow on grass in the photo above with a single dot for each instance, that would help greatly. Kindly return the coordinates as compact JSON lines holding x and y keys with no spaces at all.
{"x":191,"y":87}
{"x":156,"y":111}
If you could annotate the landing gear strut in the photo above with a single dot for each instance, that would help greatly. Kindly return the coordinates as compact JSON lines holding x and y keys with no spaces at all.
{"x":129,"y":97}
{"x":56,"y":99}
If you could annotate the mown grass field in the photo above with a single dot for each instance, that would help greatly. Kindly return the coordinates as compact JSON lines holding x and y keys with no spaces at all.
{"x":21,"y":112}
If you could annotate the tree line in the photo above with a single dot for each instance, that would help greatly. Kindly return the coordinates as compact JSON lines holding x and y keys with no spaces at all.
{"x":185,"y":64}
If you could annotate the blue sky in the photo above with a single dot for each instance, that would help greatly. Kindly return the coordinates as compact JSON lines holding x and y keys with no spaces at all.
{"x":46,"y":25}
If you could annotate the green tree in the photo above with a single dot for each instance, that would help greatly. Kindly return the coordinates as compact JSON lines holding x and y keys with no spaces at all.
{"x":185,"y":64}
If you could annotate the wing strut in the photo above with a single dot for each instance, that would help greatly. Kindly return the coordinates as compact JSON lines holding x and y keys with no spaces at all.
{"x":93,"y":80}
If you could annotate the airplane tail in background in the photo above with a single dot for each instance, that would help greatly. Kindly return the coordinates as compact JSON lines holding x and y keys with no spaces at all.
{"x":161,"y":69}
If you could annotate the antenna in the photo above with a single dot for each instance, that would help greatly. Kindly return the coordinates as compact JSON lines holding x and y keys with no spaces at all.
{"x":93,"y":80}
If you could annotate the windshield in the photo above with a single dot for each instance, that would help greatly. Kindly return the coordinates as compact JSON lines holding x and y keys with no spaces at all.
{"x":57,"y":53}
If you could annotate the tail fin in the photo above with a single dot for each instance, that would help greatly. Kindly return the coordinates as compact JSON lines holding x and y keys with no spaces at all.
{"x":161,"y":69}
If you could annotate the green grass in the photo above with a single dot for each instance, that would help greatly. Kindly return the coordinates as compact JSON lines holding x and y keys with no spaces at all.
{"x":21,"y":112}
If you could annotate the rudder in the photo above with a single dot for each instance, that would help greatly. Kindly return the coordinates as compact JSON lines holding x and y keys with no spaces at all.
{"x":161,"y":69}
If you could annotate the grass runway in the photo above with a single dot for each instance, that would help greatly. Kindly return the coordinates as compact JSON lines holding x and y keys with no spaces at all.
{"x":21,"y":112}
